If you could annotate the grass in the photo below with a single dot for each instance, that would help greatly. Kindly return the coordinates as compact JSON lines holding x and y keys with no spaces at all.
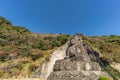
{"x":113,"y":72}
{"x":108,"y":48}
{"x":104,"y":78}
{"x":23,"y":67}
{"x":22,"y":52}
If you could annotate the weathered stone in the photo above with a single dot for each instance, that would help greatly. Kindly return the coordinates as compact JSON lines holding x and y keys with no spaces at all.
{"x":76,"y":65}
{"x":116,"y":66}
{"x":81,"y":63}
{"x":76,"y":75}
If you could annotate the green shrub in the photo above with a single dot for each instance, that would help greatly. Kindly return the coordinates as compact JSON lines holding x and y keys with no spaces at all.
{"x":104,"y":78}
{"x":6,"y":48}
{"x":25,"y":51}
{"x":63,"y":38}
{"x":113,"y":72}
{"x":2,"y":59}
{"x":4,"y":21}
{"x":56,"y":43}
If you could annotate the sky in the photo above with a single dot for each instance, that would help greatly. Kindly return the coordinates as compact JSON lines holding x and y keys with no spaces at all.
{"x":89,"y":17}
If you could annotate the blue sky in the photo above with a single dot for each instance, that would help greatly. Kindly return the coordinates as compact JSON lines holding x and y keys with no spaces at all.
{"x":89,"y":17}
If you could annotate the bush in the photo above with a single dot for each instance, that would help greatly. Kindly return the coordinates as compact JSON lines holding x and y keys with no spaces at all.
{"x":4,"y":21}
{"x":25,"y":51}
{"x":63,"y":38}
{"x":104,"y":78}
{"x":6,"y":48}
{"x":2,"y":59}
{"x":35,"y":56}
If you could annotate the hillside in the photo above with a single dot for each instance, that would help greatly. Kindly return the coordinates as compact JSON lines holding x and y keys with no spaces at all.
{"x":22,"y":52}
{"x":108,"y":48}
{"x":88,"y":58}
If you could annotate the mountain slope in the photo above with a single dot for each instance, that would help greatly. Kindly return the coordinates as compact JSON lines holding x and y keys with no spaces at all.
{"x":22,"y":52}
{"x":108,"y":48}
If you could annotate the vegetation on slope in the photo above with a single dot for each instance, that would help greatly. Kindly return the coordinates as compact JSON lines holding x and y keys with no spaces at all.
{"x":104,"y":78}
{"x":109,"y":46}
{"x":22,"y":52}
{"x":109,"y":51}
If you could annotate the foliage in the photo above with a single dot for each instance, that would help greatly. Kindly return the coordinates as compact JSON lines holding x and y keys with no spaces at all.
{"x":2,"y":59}
{"x":3,"y":21}
{"x":109,"y":50}
{"x":114,"y":73}
{"x":50,"y":42}
{"x":108,"y":46}
{"x":24,"y":50}
{"x":104,"y":78}
{"x":6,"y":48}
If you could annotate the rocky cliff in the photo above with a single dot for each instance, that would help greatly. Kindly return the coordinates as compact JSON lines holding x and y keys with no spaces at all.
{"x":81,"y":63}
{"x":47,"y":67}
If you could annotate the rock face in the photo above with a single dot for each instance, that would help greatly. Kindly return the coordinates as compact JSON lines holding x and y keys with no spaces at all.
{"x":47,"y":67}
{"x":80,"y":63}
{"x":116,"y":66}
